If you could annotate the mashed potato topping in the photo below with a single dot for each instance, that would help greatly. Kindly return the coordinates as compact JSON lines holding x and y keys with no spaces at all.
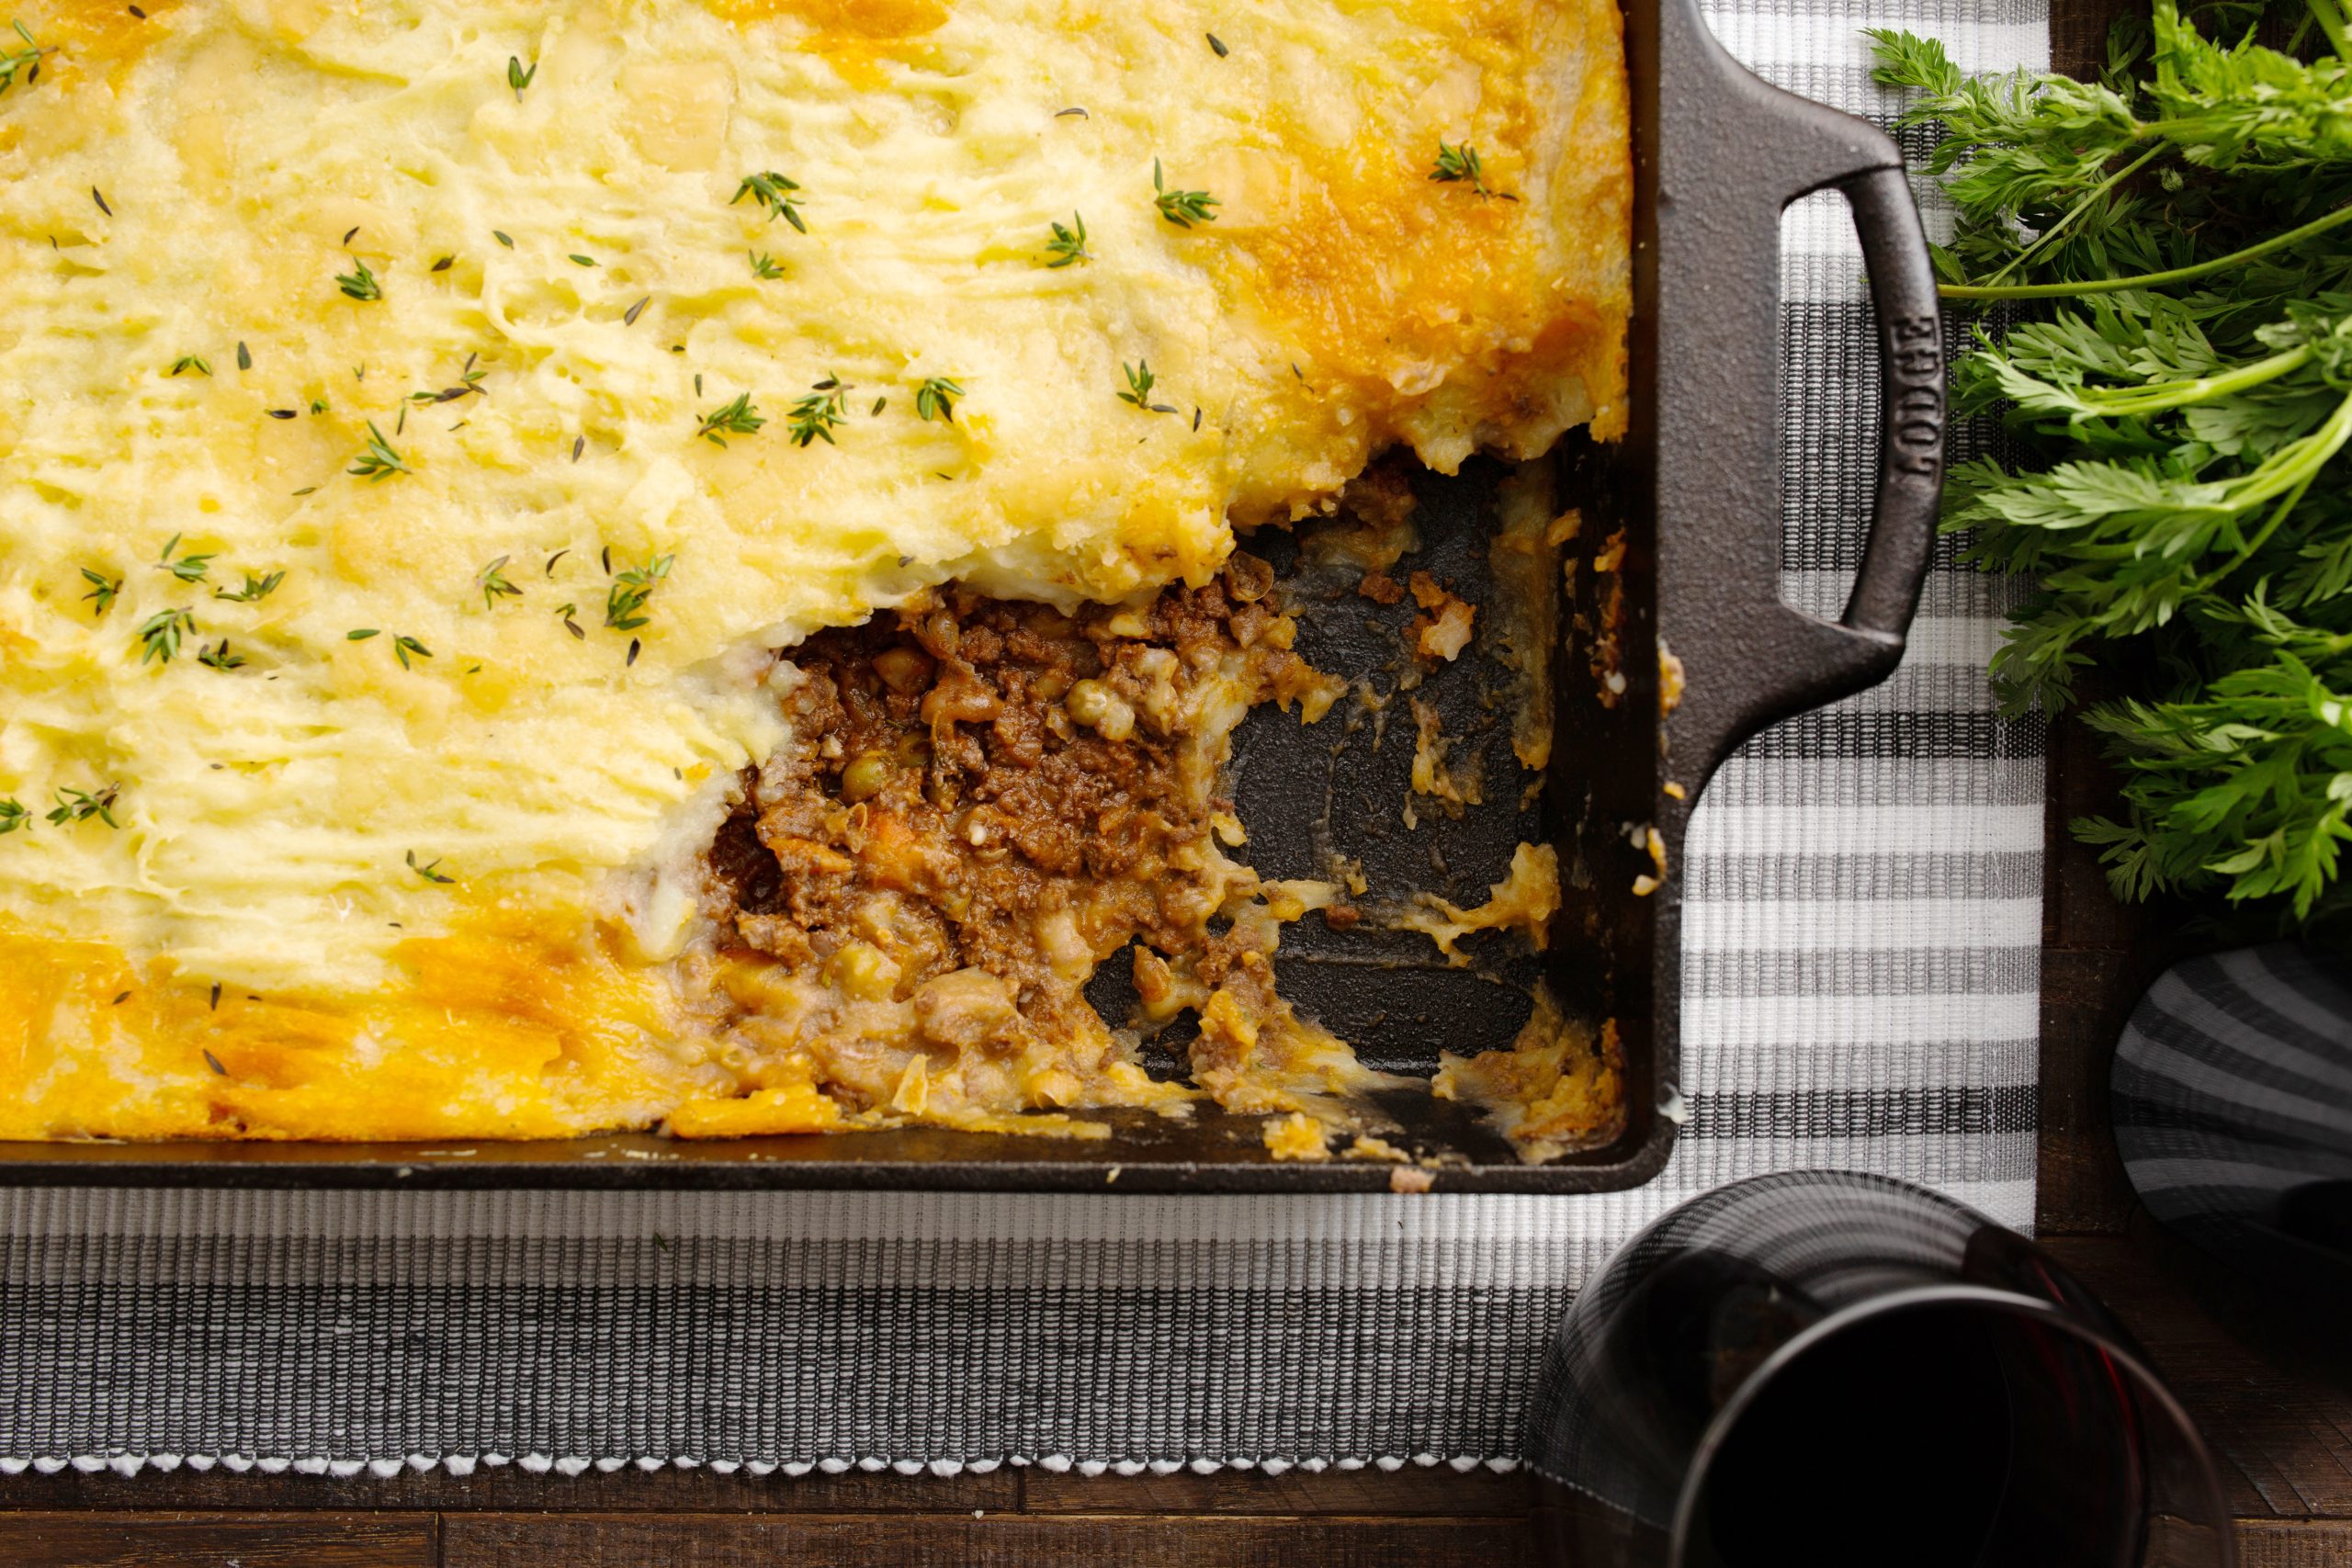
{"x":421,"y":423}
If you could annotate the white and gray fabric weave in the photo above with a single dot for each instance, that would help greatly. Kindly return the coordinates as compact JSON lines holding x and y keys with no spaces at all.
{"x":1861,"y":974}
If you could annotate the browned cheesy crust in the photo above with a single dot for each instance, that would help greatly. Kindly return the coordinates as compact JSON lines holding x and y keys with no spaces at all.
{"x":460,"y":462}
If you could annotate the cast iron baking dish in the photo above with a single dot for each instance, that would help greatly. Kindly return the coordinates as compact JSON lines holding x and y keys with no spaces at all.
{"x":1695,"y":489}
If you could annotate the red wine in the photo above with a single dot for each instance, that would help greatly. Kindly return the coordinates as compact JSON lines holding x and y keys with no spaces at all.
{"x":1938,"y":1436}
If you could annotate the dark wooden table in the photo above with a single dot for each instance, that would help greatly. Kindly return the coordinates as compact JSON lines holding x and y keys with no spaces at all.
{"x":2283,"y":1434}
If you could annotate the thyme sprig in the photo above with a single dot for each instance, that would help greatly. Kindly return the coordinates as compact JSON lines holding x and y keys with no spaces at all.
{"x":740,"y":417}
{"x":15,"y":814}
{"x":1456,"y":165}
{"x":1068,"y":244}
{"x":81,"y":805}
{"x":104,"y":589}
{"x":1181,"y":207}
{"x":1140,"y":381}
{"x":187,"y":569}
{"x":159,"y":635}
{"x":195,"y":362}
{"x":935,"y":399}
{"x":492,"y":581}
{"x":814,"y":417}
{"x":625,"y":602}
{"x":27,"y":59}
{"x":764,"y":266}
{"x":776,"y":193}
{"x":468,"y":384}
{"x":379,"y":462}
{"x":220,"y":658}
{"x":359,"y":282}
{"x":429,"y":870}
{"x":517,"y":77}
{"x":256,"y":590}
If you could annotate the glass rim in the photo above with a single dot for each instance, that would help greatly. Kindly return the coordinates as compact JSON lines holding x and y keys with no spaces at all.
{"x":2142,"y":1378}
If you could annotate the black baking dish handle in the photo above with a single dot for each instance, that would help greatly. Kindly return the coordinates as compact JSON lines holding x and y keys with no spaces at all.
{"x":1732,"y":152}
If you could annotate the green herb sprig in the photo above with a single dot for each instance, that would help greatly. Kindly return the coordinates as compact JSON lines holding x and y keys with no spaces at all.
{"x":1458,"y":165}
{"x":1181,"y":207}
{"x":468,"y":384}
{"x":256,"y":590}
{"x":2172,"y":245}
{"x":764,"y":265}
{"x":15,"y":815}
{"x":187,"y":569}
{"x":815,"y":416}
{"x":740,"y":417}
{"x":379,"y":462}
{"x":28,"y":58}
{"x":84,"y":805}
{"x":429,"y":870}
{"x":492,"y":581}
{"x":776,"y":193}
{"x":1068,"y":245}
{"x":160,"y":633}
{"x":517,"y":77}
{"x":104,"y":589}
{"x":1140,"y":381}
{"x":625,"y":602}
{"x":935,"y":399}
{"x":358,"y":283}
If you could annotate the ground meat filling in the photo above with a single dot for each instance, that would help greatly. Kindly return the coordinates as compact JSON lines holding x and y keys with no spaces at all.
{"x":979,"y":802}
